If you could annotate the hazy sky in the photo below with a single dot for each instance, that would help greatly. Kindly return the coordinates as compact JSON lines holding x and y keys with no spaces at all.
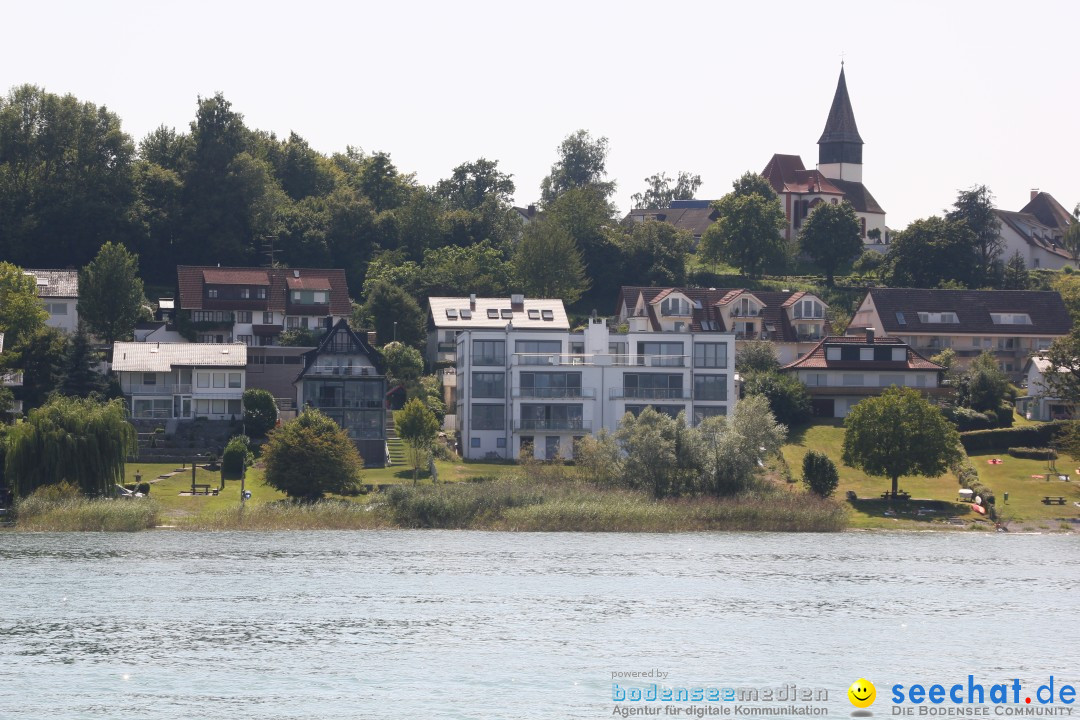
{"x":946,"y":94}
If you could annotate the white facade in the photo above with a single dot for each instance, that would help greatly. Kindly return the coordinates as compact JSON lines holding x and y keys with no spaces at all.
{"x":1039,"y":403}
{"x":546,"y":389}
{"x":59,"y":293}
{"x":1020,"y":235}
{"x":182,"y":380}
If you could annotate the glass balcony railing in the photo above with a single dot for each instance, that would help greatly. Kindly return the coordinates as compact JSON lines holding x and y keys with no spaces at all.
{"x":558,"y":393}
{"x":650,"y":393}
{"x":572,"y":424}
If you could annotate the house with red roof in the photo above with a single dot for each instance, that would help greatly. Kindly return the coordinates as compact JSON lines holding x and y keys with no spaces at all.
{"x":842,"y":370}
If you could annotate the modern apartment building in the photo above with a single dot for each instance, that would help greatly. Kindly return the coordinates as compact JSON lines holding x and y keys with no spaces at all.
{"x":792,"y":321}
{"x":1011,"y":324}
{"x":537,"y":392}
{"x":254,"y":306}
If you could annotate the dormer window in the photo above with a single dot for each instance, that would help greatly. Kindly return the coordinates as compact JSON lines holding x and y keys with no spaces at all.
{"x":809,"y":309}
{"x":744,"y":307}
{"x":211,"y":292}
{"x":676,"y":306}
{"x":260,"y":293}
{"x":245,"y":293}
{"x":936,"y":318}
{"x":310,"y":297}
{"x":1010,"y":318}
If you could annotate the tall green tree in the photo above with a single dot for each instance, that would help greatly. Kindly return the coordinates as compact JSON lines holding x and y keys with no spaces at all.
{"x":586,"y":214}
{"x":80,"y":378}
{"x":310,"y":457}
{"x":899,"y":433}
{"x":732,"y":448}
{"x":975,"y":207}
{"x":393,"y":314}
{"x":653,"y":253}
{"x":40,"y":355}
{"x":819,"y":474}
{"x":831,"y":236}
{"x":404,"y":364}
{"x":1015,"y":275}
{"x":111,"y":293}
{"x":548,"y":263}
{"x":983,"y":386}
{"x":260,"y":412}
{"x":1071,"y":240}
{"x":21,"y":312}
{"x":582,"y":163}
{"x":748,"y":231}
{"x":788,"y":398}
{"x":931,"y":252}
{"x":81,"y":441}
{"x":417,"y":426}
{"x":660,"y":455}
{"x":661,"y":190}
{"x":756,"y":356}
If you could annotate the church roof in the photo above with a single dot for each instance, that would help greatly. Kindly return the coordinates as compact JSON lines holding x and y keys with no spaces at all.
{"x":787,"y":174}
{"x":859,"y":197}
{"x":840,"y":127}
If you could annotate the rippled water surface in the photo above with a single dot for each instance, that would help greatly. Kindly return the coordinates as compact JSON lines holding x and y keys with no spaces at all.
{"x":493,"y":625}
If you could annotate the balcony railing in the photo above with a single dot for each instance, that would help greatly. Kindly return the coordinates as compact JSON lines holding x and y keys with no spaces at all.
{"x":343,"y":370}
{"x":447,"y":347}
{"x":557,"y":393}
{"x":152,"y":414}
{"x":175,"y":389}
{"x":545,"y":424}
{"x":737,"y":312}
{"x":599,"y":359}
{"x":650,"y":393}
{"x":489,"y":360}
{"x":809,"y":337}
{"x":12,"y":379}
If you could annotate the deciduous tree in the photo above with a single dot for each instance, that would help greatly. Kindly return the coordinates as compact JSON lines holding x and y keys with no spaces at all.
{"x":830,"y":236}
{"x":394,"y":315}
{"x":747,"y":233}
{"x":417,"y":426}
{"x":660,"y":190}
{"x":260,"y":412}
{"x":975,"y":207}
{"x":111,"y":293}
{"x":582,"y":163}
{"x":548,"y":263}
{"x":819,"y":474}
{"x":310,"y":457}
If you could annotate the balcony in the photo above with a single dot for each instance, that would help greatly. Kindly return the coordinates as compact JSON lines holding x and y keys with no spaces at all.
{"x":574,"y":425}
{"x":650,"y":393}
{"x":174,"y":389}
{"x":489,"y":360}
{"x":343,"y":371}
{"x":11,"y":379}
{"x":809,"y":337}
{"x":447,"y":347}
{"x":555,"y":393}
{"x":738,"y":312}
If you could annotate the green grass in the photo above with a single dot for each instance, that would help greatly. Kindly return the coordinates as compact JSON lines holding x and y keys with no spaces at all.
{"x":937,"y":496}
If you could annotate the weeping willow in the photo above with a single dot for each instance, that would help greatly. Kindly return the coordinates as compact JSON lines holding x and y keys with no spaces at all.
{"x":82,"y":441}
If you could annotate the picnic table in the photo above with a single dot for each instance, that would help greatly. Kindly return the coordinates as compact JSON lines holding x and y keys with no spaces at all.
{"x":1053,"y":500}
{"x":901,"y":495}
{"x":203,"y":490}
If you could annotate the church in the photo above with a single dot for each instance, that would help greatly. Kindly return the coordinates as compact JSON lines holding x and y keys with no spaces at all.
{"x":838,"y":175}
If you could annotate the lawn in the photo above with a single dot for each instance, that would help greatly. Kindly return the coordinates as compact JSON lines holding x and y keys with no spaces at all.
{"x":937,"y":496}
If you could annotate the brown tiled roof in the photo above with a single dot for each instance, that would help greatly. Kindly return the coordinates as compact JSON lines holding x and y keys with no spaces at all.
{"x":56,"y":283}
{"x":694,"y":216}
{"x":307,"y":282}
{"x":816,"y":358}
{"x":1032,"y":230}
{"x":787,"y":174}
{"x":191,"y":279}
{"x":710,"y":310}
{"x":1048,"y":211}
{"x":1049,"y":317}
{"x":859,"y":197}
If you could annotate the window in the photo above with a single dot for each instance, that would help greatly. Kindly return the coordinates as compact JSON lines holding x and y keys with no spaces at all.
{"x":710,"y":355}
{"x":211,"y":316}
{"x":202,"y":407}
{"x":234,"y":380}
{"x":675,"y":306}
{"x":507,"y":314}
{"x":243,"y":316}
{"x":887,"y":380}
{"x":474,"y":442}
{"x":489,"y":385}
{"x":59,"y":308}
{"x":710,"y":387}
{"x":245,"y":293}
{"x":551,"y":447}
{"x":706,"y":411}
{"x":900,"y":319}
{"x":551,"y":417}
{"x":534,"y":314}
{"x":653,"y":386}
{"x":268,"y":318}
{"x":492,"y":314}
{"x":808,"y":309}
{"x":489,"y":352}
{"x":202,"y":380}
{"x":500,"y":442}
{"x":548,"y":315}
{"x":217,"y":407}
{"x":322,"y":297}
{"x":488,"y":417}
{"x":660,"y":354}
{"x":234,"y":407}
{"x":942,"y":317}
{"x":149,"y":379}
{"x":292,"y":323}
{"x":817,"y":379}
{"x":451,"y":314}
{"x":853,"y":379}
{"x":1006,"y":344}
{"x":619,"y":352}
{"x":526,"y":446}
{"x":1010,"y":318}
{"x":920,"y":380}
{"x":246,"y":339}
{"x":211,"y":292}
{"x":537,"y":352}
{"x":260,"y":293}
{"x":550,"y":384}
{"x":219,"y":380}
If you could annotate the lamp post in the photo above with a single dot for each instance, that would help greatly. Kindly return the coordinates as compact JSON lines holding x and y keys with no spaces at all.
{"x":194,"y":465}
{"x":395,"y":331}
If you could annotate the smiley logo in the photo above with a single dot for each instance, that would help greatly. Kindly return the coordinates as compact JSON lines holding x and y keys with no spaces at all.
{"x":862,"y":693}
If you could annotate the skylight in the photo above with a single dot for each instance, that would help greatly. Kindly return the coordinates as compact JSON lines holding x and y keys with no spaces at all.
{"x":900,"y":319}
{"x":466,"y":314}
{"x":493,"y":314}
{"x":548,"y":314}
{"x":507,"y":314}
{"x":1010,"y":318}
{"x":534,"y":314}
{"x":451,"y":314}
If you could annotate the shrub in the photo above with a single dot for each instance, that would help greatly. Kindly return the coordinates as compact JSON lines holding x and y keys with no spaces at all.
{"x":788,"y":398}
{"x":310,"y":457}
{"x":1005,"y":438}
{"x":260,"y":412}
{"x":967,"y":419}
{"x":1003,"y":415}
{"x":819,"y":474}
{"x":1029,"y":453}
{"x":236,"y":457}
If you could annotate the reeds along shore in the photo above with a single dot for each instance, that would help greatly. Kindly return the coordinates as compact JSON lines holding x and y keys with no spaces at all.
{"x":513,"y":505}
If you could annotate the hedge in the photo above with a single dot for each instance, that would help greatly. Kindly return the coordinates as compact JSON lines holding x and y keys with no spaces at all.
{"x":1002,"y":439}
{"x":1030,"y":453}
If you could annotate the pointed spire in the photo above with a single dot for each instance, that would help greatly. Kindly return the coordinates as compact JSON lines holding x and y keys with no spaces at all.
{"x":840,"y":127}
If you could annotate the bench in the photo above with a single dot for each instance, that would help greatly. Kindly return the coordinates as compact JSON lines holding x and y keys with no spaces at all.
{"x":899,"y":496}
{"x":203,"y":490}
{"x":1053,"y":500}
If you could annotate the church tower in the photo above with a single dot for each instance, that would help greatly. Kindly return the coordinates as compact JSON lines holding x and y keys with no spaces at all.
{"x":840,"y":147}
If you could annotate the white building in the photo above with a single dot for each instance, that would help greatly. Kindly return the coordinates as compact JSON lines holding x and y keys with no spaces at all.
{"x":59,"y":293}
{"x":537,"y":391}
{"x":182,"y":380}
{"x":1036,"y":232}
{"x":11,"y":379}
{"x":1040,"y":403}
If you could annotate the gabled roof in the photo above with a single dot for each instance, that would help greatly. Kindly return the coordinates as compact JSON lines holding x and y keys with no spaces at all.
{"x":840,"y":126}
{"x":709,"y":307}
{"x":818,"y":359}
{"x":532,"y":314}
{"x":1047,"y":311}
{"x":56,"y":283}
{"x":787,"y":174}
{"x":360,"y":339}
{"x":693,"y":216}
{"x":1049,"y":211}
{"x":859,"y":197}
{"x":1033,"y":232}
{"x":163,"y":357}
{"x":191,"y":280}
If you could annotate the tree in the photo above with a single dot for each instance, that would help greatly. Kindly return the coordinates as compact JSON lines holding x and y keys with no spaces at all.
{"x":756,"y":356}
{"x":237,"y":457}
{"x":310,"y":457}
{"x":1071,"y":240}
{"x":819,"y":474}
{"x":582,"y":163}
{"x":975,"y":207}
{"x":983,"y":386}
{"x":654,"y":253}
{"x":869,"y":263}
{"x":299,"y":337}
{"x":41,"y":358}
{"x":548,"y":263}
{"x":659,"y":451}
{"x":831,"y":236}
{"x":80,"y":378}
{"x":931,"y":252}
{"x":21,"y":313}
{"x":472,"y":186}
{"x":1062,"y":376}
{"x":747,"y":233}
{"x":1015,"y":275}
{"x":788,"y":398}
{"x":393,"y":314}
{"x":404,"y":364}
{"x":732,"y":448}
{"x":260,"y":412}
{"x":899,"y":433}
{"x":81,"y":441}
{"x":660,"y":192}
{"x":418,"y":428}
{"x":111,"y":293}
{"x":586,"y":215}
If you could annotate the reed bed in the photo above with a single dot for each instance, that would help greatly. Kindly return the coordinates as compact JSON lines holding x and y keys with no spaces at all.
{"x":38,"y":514}
{"x":285,"y":515}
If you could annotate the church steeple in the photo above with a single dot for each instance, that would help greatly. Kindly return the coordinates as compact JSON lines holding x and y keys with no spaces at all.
{"x":840,"y":143}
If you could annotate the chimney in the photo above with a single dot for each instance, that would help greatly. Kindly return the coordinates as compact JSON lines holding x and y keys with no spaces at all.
{"x":532,"y":210}
{"x":1034,"y":192}
{"x":517,"y":302}
{"x":870,"y":336}
{"x":472,"y":301}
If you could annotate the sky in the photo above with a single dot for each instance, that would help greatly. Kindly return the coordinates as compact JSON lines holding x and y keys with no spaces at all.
{"x":946,"y":95}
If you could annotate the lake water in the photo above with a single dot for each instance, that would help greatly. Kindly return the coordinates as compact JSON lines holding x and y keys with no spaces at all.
{"x":426,"y":624}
